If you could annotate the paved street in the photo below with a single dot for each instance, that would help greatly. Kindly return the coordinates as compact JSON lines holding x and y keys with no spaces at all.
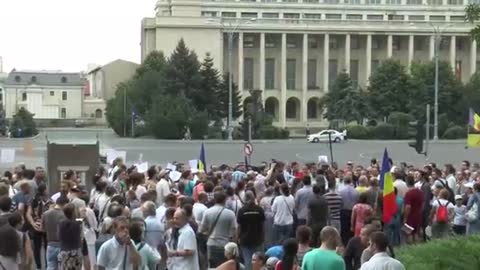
{"x":161,"y":152}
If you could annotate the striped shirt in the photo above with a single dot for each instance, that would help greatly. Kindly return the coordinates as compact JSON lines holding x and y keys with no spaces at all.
{"x":335,"y":204}
{"x":237,"y":176}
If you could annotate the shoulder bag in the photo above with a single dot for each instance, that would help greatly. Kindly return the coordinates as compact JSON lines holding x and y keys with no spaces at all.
{"x":203,"y":238}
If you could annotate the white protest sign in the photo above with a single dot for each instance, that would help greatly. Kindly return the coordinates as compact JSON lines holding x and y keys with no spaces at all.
{"x":142,"y":167}
{"x":112,"y":154}
{"x":7,"y":155}
{"x":193,"y":164}
{"x":323,"y":159}
{"x":175,"y":176}
{"x":171,"y":167}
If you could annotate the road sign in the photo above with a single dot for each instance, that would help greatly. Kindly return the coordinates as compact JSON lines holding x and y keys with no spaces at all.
{"x":248,"y":149}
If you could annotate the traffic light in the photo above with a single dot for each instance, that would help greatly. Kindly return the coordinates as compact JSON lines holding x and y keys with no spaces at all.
{"x":418,"y":131}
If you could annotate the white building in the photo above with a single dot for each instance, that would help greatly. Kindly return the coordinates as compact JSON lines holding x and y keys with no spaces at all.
{"x":47,"y":94}
{"x":293,"y":50}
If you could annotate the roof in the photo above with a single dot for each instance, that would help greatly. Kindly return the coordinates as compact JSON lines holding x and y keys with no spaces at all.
{"x":48,"y":78}
{"x":113,"y":63}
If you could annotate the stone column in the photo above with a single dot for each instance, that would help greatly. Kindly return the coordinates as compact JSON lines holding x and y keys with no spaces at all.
{"x":453,"y":48}
{"x":368,"y":58}
{"x":326,"y":58}
{"x":389,"y":46}
{"x":473,"y":57}
{"x":432,"y":47}
{"x":283,"y":82}
{"x":240,"y":63}
{"x":303,"y":109}
{"x":347,"y":53}
{"x":410,"y":50}
{"x":262,"y":65}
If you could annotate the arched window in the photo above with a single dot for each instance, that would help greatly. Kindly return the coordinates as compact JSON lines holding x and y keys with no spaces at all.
{"x":98,"y":113}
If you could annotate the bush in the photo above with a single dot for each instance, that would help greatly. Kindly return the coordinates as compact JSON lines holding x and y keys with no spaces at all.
{"x":215,"y":132}
{"x":357,"y":132}
{"x":383,"y":131}
{"x":23,"y":125}
{"x":455,"y":132}
{"x":437,"y":254}
{"x":400,"y":123}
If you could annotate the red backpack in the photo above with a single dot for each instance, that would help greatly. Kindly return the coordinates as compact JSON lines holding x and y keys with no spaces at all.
{"x":442,"y":213}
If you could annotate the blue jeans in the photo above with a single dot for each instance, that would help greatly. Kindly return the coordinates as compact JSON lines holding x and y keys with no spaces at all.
{"x":281,"y":232}
{"x":52,"y":257}
{"x":247,"y":253}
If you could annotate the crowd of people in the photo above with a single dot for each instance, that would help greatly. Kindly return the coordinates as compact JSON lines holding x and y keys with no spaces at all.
{"x":273,"y":216}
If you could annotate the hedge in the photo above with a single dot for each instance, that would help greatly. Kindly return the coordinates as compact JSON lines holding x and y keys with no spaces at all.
{"x":455,"y":132}
{"x":357,"y":132}
{"x":450,"y":254}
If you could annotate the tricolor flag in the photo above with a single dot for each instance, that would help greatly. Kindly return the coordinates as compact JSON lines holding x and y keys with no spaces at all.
{"x":473,"y":139}
{"x":386,"y":185}
{"x":202,"y":163}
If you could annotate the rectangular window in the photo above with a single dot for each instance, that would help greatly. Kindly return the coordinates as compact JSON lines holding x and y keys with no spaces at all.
{"x":375,"y":65}
{"x":414,"y":2}
{"x":376,"y":44}
{"x":52,"y":93}
{"x":437,"y":18}
{"x":249,"y":15}
{"x":332,"y":71}
{"x":24,"y":96}
{"x":228,"y":14}
{"x":269,"y":73}
{"x":248,"y":73}
{"x":393,"y":2}
{"x":354,"y":71}
{"x":457,"y":18}
{"x":291,"y":73}
{"x":445,"y":43}
{"x":333,"y":16}
{"x":416,"y":17}
{"x":331,"y":1}
{"x":418,"y":43}
{"x":291,"y":17}
{"x":313,"y":16}
{"x":354,"y":17}
{"x":248,"y":41}
{"x":292,"y":43}
{"x":458,"y":69}
{"x":312,"y":74}
{"x":373,"y":17}
{"x":270,"y":41}
{"x":310,"y":1}
{"x":63,"y":113}
{"x":333,"y":43}
{"x":312,"y":43}
{"x":354,"y":42}
{"x":455,"y":2}
{"x":435,"y":2}
{"x":396,"y":43}
{"x":396,"y":17}
{"x":64,"y":95}
{"x":209,"y":14}
{"x":459,"y":44}
{"x":373,"y":2}
{"x":352,"y":2}
{"x":270,"y":15}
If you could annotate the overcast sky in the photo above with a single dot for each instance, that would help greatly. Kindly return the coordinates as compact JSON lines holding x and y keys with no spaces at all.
{"x":69,"y":34}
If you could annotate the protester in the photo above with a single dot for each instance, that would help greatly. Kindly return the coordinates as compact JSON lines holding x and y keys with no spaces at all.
{"x":325,"y":257}
{"x":381,"y":260}
{"x":150,"y":256}
{"x":181,"y":244}
{"x":69,"y":233}
{"x":317,"y":213}
{"x":232,"y":255}
{"x":302,"y":198}
{"x":360,"y":212}
{"x":304,"y":238}
{"x":282,"y":208}
{"x":442,"y":215}
{"x":460,"y":219}
{"x":258,"y":261}
{"x":355,"y":247}
{"x":414,"y":203}
{"x":9,"y":253}
{"x":50,"y":223}
{"x":349,"y":198}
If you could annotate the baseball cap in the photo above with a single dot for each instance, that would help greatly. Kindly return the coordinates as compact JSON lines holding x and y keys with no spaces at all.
{"x":458,"y":197}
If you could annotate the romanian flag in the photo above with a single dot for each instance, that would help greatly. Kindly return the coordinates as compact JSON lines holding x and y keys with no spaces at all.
{"x":202,"y":164}
{"x":474,"y":120}
{"x":386,"y":185}
{"x":473,"y":139}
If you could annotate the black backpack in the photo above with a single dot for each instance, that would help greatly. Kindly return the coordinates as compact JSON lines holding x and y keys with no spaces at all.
{"x":451,"y":194}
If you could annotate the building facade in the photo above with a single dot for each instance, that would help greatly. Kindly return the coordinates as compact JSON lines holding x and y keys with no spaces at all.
{"x":46,"y":94}
{"x":293,"y":50}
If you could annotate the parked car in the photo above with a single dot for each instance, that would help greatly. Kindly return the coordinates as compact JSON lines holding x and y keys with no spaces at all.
{"x":323,"y":136}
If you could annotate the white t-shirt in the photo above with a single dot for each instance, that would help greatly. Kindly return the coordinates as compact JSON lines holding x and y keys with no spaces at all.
{"x":101,"y":205}
{"x":401,"y":187}
{"x":139,"y":191}
{"x":163,"y":189}
{"x":450,"y":206}
{"x":186,"y":241}
{"x":283,"y":209}
{"x":198,"y":210}
{"x":112,"y":254}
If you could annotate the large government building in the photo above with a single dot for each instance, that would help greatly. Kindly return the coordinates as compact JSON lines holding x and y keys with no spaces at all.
{"x":293,"y":50}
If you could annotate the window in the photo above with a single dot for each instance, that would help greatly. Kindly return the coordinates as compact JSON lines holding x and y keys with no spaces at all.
{"x":458,"y":69}
{"x":248,"y":73}
{"x":98,"y":113}
{"x":396,"y":17}
{"x":312,"y":106}
{"x":248,"y":41}
{"x":209,"y":13}
{"x":291,"y":17}
{"x":354,"y":17}
{"x":17,"y":78}
{"x":64,"y":79}
{"x":354,"y":71}
{"x":396,"y":43}
{"x":63,"y":113}
{"x":393,"y":2}
{"x":437,"y":18}
{"x":291,"y":73}
{"x":333,"y":16}
{"x":314,"y":16}
{"x":269,"y":41}
{"x":310,"y":1}
{"x":375,"y":64}
{"x":418,"y":43}
{"x":376,"y":44}
{"x":52,"y":93}
{"x":373,"y":2}
{"x":270,"y":15}
{"x":229,"y":14}
{"x":64,"y":95}
{"x":333,"y":43}
{"x":331,"y":1}
{"x":312,"y":74}
{"x":292,"y":43}
{"x":292,"y":108}
{"x":24,"y":96}
{"x":33,"y":79}
{"x":332,"y":71}
{"x":435,"y":2}
{"x":414,"y":2}
{"x":455,"y":2}
{"x":375,"y":17}
{"x":457,"y":18}
{"x":249,"y":15}
{"x":312,"y":42}
{"x":355,"y":42}
{"x":459,"y":44}
{"x":353,"y":2}
{"x":416,"y":17}
{"x":269,"y":73}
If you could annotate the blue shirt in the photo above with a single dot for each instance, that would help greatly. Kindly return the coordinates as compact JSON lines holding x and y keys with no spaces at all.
{"x":275,"y":251}
{"x":237,"y":176}
{"x":349,"y":196}
{"x":23,"y":198}
{"x":154,"y":231}
{"x":302,"y":198}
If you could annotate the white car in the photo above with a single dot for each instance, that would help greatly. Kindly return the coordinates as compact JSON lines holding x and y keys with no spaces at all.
{"x":323,"y":135}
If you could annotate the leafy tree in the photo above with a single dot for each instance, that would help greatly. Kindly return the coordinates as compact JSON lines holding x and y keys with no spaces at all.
{"x":209,"y":87}
{"x":23,"y":125}
{"x":182,"y":76}
{"x":222,"y":97}
{"x":471,"y":95}
{"x":169,"y":117}
{"x":388,"y":89}
{"x":422,"y":92}
{"x":155,"y":61}
{"x":116,"y":113}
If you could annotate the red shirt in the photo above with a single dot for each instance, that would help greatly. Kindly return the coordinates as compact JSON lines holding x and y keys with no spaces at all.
{"x":415,"y":199}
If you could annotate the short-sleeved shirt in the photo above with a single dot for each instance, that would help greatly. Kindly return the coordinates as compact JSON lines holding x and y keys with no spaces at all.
{"x":282,"y":208}
{"x":224,"y":229}
{"x":334,"y":204}
{"x":322,"y":259}
{"x":22,"y":198}
{"x":154,"y":231}
{"x":50,"y":222}
{"x":150,"y":256}
{"x":414,"y":197}
{"x":186,"y":241}
{"x":112,"y":256}
{"x":250,"y":220}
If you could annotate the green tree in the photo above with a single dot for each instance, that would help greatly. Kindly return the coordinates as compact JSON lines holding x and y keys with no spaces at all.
{"x":182,"y":75}
{"x":209,"y":87}
{"x":222,"y":97}
{"x":23,"y":125}
{"x":169,"y":117}
{"x":199,"y":125}
{"x":471,"y":95}
{"x":422,"y":92}
{"x":117,"y":111}
{"x":155,"y":61}
{"x":388,"y":89}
